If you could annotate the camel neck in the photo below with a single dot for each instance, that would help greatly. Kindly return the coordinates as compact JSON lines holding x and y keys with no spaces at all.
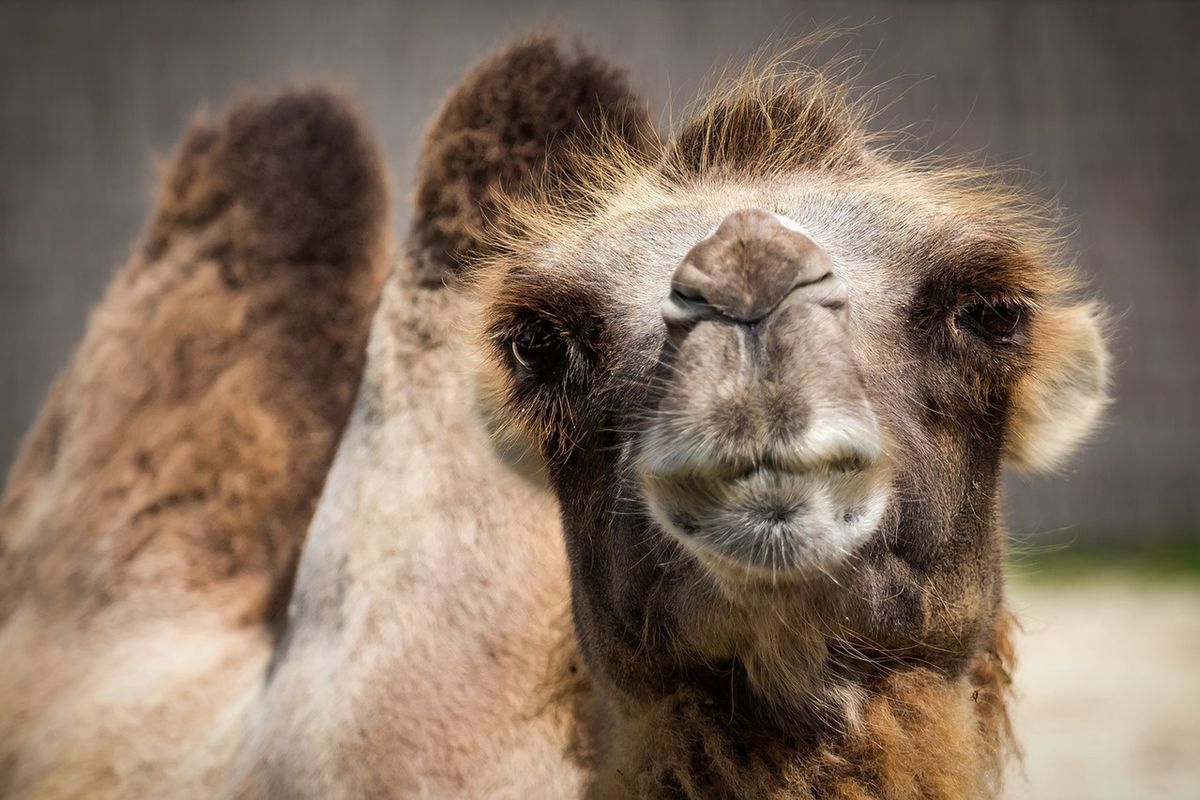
{"x":433,"y":574}
{"x":915,"y":732}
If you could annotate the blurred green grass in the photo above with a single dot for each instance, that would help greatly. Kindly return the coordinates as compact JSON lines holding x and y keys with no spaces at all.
{"x":1149,"y":559}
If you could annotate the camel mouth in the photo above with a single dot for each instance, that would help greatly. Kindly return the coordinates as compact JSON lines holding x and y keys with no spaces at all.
{"x":772,"y":516}
{"x":734,"y":470}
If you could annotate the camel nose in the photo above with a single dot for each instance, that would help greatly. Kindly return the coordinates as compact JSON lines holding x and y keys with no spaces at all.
{"x":751,"y":265}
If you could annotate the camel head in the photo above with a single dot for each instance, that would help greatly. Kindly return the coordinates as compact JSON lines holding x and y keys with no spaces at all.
{"x":773,"y":370}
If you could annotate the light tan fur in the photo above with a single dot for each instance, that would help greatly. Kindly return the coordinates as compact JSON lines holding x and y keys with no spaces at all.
{"x":428,"y":601}
{"x":417,"y":656}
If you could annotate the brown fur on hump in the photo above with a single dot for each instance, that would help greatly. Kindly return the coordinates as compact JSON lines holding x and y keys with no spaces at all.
{"x":183,"y":447}
{"x":497,"y":133}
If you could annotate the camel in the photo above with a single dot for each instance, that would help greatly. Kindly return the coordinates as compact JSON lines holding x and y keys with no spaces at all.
{"x":632,"y":366}
{"x":772,"y":369}
{"x":152,"y":521}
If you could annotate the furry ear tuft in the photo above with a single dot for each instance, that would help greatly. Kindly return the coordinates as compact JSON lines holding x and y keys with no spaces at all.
{"x":1058,"y":404}
{"x":508,"y":127}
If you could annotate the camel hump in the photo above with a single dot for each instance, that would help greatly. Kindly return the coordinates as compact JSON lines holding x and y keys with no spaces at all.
{"x":179,"y":456}
{"x":508,"y":127}
{"x":296,"y":175}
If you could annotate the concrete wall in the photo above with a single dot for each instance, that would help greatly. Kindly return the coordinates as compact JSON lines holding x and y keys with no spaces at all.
{"x":1097,"y":101}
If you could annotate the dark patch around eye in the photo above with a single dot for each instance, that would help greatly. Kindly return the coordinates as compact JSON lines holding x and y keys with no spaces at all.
{"x":538,"y":350}
{"x":548,"y":333}
{"x":541,"y":323}
{"x":993,"y":319}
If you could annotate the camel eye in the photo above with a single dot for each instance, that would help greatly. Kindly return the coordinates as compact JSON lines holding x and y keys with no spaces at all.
{"x":994,"y":320}
{"x":538,"y":349}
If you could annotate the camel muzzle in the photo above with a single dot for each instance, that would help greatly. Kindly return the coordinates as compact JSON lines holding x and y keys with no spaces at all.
{"x":764,"y":452}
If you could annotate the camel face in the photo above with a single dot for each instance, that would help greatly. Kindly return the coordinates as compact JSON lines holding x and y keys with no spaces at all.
{"x":755,"y":396}
{"x":773,"y":377}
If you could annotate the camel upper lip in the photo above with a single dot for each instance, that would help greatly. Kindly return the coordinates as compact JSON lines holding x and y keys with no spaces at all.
{"x":847,"y":443}
{"x":735,"y":469}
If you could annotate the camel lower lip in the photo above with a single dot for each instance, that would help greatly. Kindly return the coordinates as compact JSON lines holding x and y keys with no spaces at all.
{"x":769,"y":519}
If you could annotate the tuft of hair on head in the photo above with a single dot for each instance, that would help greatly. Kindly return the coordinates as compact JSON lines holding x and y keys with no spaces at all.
{"x":774,"y":116}
{"x":777,"y":114}
{"x":297,"y":173}
{"x":502,"y":132}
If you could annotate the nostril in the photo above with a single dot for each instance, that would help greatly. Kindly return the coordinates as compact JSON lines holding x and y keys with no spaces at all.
{"x":827,"y":291}
{"x":688,"y":292}
{"x":685,"y":308}
{"x":689,"y":300}
{"x":687,"y":303}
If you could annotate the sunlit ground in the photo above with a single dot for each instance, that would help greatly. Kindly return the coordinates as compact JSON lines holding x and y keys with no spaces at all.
{"x":1108,"y":677}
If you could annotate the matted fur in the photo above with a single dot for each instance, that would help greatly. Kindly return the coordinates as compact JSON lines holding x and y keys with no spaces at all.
{"x":915,"y":736}
{"x":151,"y":523}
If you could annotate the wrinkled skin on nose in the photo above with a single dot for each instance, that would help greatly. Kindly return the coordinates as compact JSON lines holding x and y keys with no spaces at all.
{"x":751,"y":264}
{"x":765,"y":453}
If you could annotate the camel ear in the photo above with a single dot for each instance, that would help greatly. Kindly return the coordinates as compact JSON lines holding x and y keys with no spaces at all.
{"x":509,"y":127}
{"x":1060,"y":401}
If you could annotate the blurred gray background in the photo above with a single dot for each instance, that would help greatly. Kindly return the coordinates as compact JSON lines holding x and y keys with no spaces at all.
{"x":1097,"y":102}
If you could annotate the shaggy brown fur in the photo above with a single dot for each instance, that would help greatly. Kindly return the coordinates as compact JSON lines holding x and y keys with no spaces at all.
{"x":192,"y":430}
{"x":917,"y":736}
{"x":159,"y":503}
{"x":882,"y":674}
{"x":423,"y":617}
{"x":500,"y":131}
